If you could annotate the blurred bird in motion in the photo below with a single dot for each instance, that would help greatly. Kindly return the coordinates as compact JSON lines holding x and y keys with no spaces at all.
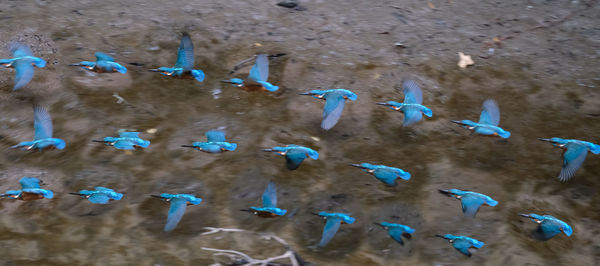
{"x":549,"y":226}
{"x":334,"y":104}
{"x":23,"y":62}
{"x":462,"y":243}
{"x":412,"y":106}
{"x":215,"y":143}
{"x":30,"y":190}
{"x":574,"y":154}
{"x":294,"y":154}
{"x":396,"y":231}
{"x":104,"y":64}
{"x":100,"y":195}
{"x":125,"y":141}
{"x":269,"y":204}
{"x":385,"y":174}
{"x":185,"y":62}
{"x":42,"y":139}
{"x":178,"y":204}
{"x":470,"y":201}
{"x":334,"y":220}
{"x":257,"y":79}
{"x":488,"y":122}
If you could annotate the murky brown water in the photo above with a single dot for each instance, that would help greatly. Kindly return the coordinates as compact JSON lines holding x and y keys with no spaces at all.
{"x":545,"y":80}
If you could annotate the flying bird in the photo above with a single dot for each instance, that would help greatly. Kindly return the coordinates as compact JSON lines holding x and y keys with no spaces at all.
{"x":100,"y":195}
{"x":269,"y":204}
{"x":334,"y":220}
{"x":397,"y":231}
{"x":412,"y":107}
{"x":125,"y":141}
{"x":385,"y":174}
{"x":178,"y":204}
{"x":470,"y":201}
{"x":294,"y":154}
{"x":257,"y":79}
{"x":462,"y":243}
{"x":30,"y":190}
{"x":488,"y":122}
{"x":23,"y":62}
{"x":185,"y":62}
{"x":42,"y":139}
{"x":549,"y":226}
{"x":574,"y":154}
{"x":334,"y":104}
{"x":104,"y":64}
{"x":215,"y":143}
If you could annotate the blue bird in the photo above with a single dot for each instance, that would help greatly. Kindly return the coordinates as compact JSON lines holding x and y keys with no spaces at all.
{"x":104,"y":63}
{"x":334,"y":104}
{"x":178,"y":204}
{"x":23,"y":62}
{"x":100,"y":195}
{"x":470,"y":201}
{"x":385,"y":174}
{"x":215,"y":142}
{"x":42,"y":139}
{"x":30,"y":190}
{"x":334,"y":220}
{"x":125,"y":141}
{"x":549,"y":226}
{"x":185,"y":62}
{"x":462,"y":243}
{"x":294,"y":154}
{"x":574,"y":154}
{"x":396,"y":231}
{"x":269,"y":204}
{"x":488,"y":122}
{"x":257,"y":80}
{"x":412,"y":106}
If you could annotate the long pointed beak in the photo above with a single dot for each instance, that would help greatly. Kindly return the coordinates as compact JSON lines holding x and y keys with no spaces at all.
{"x":457,"y":122}
{"x":246,"y":210}
{"x":95,"y":140}
{"x":314,"y":213}
{"x":276,"y":55}
{"x":445,"y":192}
{"x":524,"y":215}
{"x":305,"y":93}
{"x":227,"y":81}
{"x":188,"y":146}
{"x":3,"y":195}
{"x":268,"y":150}
{"x":154,"y":70}
{"x":156,"y":196}
{"x":356,"y":165}
{"x":441,"y":236}
{"x":384,"y":104}
{"x":379,"y":224}
{"x":75,"y":64}
{"x":75,"y":193}
{"x":543,"y":139}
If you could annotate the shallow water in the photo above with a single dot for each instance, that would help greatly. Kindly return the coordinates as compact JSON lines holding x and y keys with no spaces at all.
{"x":545,"y":81}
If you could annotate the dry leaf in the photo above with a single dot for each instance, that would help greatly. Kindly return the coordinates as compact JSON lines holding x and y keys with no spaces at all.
{"x":430,"y":4}
{"x":464,"y":60}
{"x":258,"y":45}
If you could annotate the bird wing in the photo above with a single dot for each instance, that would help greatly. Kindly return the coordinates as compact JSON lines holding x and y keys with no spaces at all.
{"x":104,"y":189}
{"x":396,"y":234}
{"x":572,"y":159}
{"x":412,"y":92}
{"x":549,"y":229}
{"x":176,"y":211}
{"x":331,"y":227}
{"x":100,"y":56}
{"x":386,"y":176}
{"x":20,"y":50}
{"x":260,"y":70}
{"x":471,"y":204}
{"x":29,"y":182}
{"x":462,"y":246}
{"x":411,"y":116}
{"x":293,"y":159}
{"x":215,"y":136}
{"x":42,"y":123}
{"x":23,"y":73}
{"x":490,"y":114}
{"x":124,"y":145}
{"x":133,"y":135}
{"x":185,"y":54}
{"x":269,"y":197}
{"x":99,"y":198}
{"x":334,"y":106}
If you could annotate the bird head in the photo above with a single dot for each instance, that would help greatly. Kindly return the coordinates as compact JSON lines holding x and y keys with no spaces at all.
{"x":555,"y":141}
{"x":13,"y":194}
{"x":364,"y":166}
{"x":534,"y":217}
{"x":85,"y":64}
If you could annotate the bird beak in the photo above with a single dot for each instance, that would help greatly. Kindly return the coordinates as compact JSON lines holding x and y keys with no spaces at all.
{"x":76,"y":194}
{"x":95,"y":140}
{"x":445,"y":192}
{"x":276,"y":55}
{"x":440,"y":236}
{"x":268,"y":150}
{"x":245,"y":210}
{"x":543,"y":139}
{"x":156,"y":196}
{"x":227,"y":81}
{"x":384,"y":104}
{"x":305,"y":93}
{"x":74,"y":64}
{"x":356,"y":165}
{"x":524,"y":215}
{"x":154,"y":70}
{"x":457,"y":122}
{"x":314,"y":213}
{"x":3,"y":195}
{"x":379,"y":224}
{"x":188,"y":146}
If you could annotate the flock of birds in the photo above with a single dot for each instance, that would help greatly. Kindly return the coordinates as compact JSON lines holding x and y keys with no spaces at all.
{"x":23,"y":62}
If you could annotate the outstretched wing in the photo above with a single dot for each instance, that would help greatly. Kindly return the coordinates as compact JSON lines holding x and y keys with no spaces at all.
{"x":293,"y":159}
{"x":23,"y":73}
{"x":260,"y":70}
{"x":29,"y":182}
{"x":124,"y":145}
{"x":387,"y":176}
{"x":269,"y":197}
{"x":132,"y":135}
{"x":176,"y":211}
{"x":412,"y":92}
{"x":100,"y":56}
{"x":396,"y":233}
{"x":334,"y":106}
{"x":42,"y":123}
{"x":99,"y":198}
{"x":462,"y":246}
{"x":490,"y":114}
{"x":411,"y":116}
{"x":215,"y":136}
{"x":20,"y":50}
{"x":331,"y":227}
{"x":572,"y":159}
{"x":471,"y":204}
{"x":185,"y":54}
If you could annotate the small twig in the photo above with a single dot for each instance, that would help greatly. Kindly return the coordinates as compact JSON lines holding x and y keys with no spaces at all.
{"x":119,"y":98}
{"x":214,"y":230}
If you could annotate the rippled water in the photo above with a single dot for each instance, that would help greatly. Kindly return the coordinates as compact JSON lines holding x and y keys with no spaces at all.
{"x":545,"y":81}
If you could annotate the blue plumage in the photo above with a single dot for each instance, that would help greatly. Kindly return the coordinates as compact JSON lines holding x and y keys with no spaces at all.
{"x":549,"y":226}
{"x":42,"y":124}
{"x":462,"y":243}
{"x":126,"y":141}
{"x":100,"y":195}
{"x":179,"y":203}
{"x":104,"y":63}
{"x":396,"y":231}
{"x":257,"y":79}
{"x":335,"y":100}
{"x":23,"y":62}
{"x":488,"y":122}
{"x":269,"y":204}
{"x":215,"y":143}
{"x":575,"y":153}
{"x":30,"y":190}
{"x":385,"y":174}
{"x":294,"y":154}
{"x":412,"y":107}
{"x":334,"y":220}
{"x":185,"y":62}
{"x":470,"y":201}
